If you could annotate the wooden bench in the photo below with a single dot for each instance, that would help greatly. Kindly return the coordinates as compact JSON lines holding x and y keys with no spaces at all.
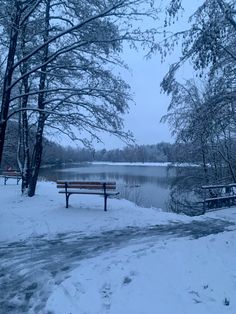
{"x":221,"y":201}
{"x":11,"y":175}
{"x":218,"y":196}
{"x":105,"y":189}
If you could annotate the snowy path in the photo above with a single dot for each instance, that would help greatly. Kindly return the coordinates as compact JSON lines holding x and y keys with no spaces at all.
{"x":31,"y":268}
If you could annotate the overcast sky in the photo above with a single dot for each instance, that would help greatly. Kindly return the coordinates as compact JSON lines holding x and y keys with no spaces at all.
{"x":145,"y":78}
{"x":143,"y":118}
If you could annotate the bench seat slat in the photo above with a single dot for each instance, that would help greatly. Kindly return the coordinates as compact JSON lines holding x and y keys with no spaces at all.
{"x":92,"y":187}
{"x":220,"y":198}
{"x":87,"y":192}
{"x":86,"y":182}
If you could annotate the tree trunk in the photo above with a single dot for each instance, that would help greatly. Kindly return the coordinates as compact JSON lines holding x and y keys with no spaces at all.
{"x":26,"y":152}
{"x":38,"y":147}
{"x":37,"y":156}
{"x":25,"y":169}
{"x":204,"y":162}
{"x":6,"y":93}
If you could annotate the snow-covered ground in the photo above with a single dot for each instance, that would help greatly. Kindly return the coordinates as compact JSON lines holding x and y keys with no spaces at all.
{"x":46,"y":213}
{"x":145,"y":164}
{"x":153,"y":164}
{"x":176,"y":276}
{"x":147,"y":275}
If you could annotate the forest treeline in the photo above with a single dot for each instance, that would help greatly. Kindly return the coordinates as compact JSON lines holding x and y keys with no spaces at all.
{"x":160,"y":152}
{"x":57,"y":154}
{"x":178,"y":152}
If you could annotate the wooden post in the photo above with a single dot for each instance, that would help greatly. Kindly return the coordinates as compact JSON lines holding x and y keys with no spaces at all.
{"x":105,"y":197}
{"x":204,"y":202}
{"x":105,"y":202}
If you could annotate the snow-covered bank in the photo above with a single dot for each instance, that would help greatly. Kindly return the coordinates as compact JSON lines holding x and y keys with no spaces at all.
{"x":23,"y":217}
{"x":145,"y":164}
{"x":45,"y":213}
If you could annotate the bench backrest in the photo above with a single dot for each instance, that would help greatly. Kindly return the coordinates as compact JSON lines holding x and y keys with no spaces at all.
{"x":86,"y":185}
{"x":11,"y":173}
{"x":218,"y":191}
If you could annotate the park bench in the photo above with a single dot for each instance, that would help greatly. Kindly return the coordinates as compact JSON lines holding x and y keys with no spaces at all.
{"x":104,"y":189}
{"x":218,"y":196}
{"x":11,"y":174}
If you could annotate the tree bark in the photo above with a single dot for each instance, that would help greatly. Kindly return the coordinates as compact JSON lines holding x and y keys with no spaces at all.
{"x":37,"y":156}
{"x":25,"y":171}
{"x":6,"y":93}
{"x":38,"y":146}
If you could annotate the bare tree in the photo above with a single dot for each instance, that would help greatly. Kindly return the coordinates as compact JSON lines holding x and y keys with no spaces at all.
{"x":70,"y":69}
{"x":209,"y":40}
{"x":16,"y":13}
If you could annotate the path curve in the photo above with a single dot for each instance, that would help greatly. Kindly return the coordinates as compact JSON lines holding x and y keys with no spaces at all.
{"x":30,"y":269}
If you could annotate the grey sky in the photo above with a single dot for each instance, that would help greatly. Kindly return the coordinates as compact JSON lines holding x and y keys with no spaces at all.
{"x":143,"y":118}
{"x":151,"y":104}
{"x":145,"y":78}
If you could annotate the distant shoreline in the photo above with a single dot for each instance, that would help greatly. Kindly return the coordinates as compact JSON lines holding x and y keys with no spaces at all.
{"x":137,"y":164}
{"x":150,"y":164}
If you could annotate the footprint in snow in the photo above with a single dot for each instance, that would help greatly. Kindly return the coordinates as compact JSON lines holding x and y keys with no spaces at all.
{"x":106,"y":295}
{"x":128,"y":279}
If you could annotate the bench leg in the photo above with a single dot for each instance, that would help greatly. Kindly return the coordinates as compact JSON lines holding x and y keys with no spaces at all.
{"x":67,"y":200}
{"x":105,"y":202}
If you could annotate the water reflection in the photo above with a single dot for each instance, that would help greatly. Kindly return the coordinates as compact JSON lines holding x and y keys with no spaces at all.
{"x":147,"y":186}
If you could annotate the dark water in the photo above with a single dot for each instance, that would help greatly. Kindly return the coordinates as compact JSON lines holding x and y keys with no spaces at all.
{"x":147,"y":186}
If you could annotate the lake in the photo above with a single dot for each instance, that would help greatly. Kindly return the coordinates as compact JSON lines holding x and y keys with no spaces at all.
{"x":147,"y":186}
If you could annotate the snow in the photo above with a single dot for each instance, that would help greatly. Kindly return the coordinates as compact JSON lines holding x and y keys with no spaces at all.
{"x":175,"y":276}
{"x":145,"y":164}
{"x":153,"y":275}
{"x":45,"y":213}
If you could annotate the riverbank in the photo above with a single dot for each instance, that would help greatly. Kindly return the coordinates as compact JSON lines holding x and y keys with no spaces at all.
{"x":125,"y":163}
{"x":45,"y":213}
{"x":146,"y":164}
